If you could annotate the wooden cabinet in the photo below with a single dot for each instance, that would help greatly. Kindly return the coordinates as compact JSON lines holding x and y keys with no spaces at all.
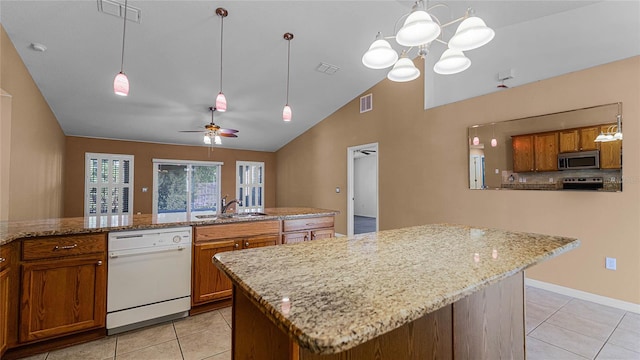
{"x":208,"y":283}
{"x":581,"y":139}
{"x":545,"y":151}
{"x":610,"y":152}
{"x":64,"y":283}
{"x":300,"y":230}
{"x":587,"y":138}
{"x":522,"y":153}
{"x":5,"y":303}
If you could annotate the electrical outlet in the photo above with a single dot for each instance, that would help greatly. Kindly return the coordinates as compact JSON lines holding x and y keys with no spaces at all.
{"x":550,"y":180}
{"x":497,"y":171}
{"x":610,"y":263}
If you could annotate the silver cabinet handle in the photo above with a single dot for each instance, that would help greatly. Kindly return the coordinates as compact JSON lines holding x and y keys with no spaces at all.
{"x":246,"y":244}
{"x":236,"y":245}
{"x":68,"y":247}
{"x":2,"y":259}
{"x":99,"y":263}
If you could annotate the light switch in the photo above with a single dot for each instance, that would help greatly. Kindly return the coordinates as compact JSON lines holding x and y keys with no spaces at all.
{"x":337,"y":189}
{"x":497,"y":171}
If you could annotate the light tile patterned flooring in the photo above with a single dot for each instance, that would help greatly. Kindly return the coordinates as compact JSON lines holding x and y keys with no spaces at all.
{"x":558,"y":327}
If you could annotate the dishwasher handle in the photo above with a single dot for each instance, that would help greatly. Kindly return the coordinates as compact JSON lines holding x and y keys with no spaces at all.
{"x":124,"y":253}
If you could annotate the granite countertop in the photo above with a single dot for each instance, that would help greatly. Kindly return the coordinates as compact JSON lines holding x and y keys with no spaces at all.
{"x":12,"y":230}
{"x":345,"y":291}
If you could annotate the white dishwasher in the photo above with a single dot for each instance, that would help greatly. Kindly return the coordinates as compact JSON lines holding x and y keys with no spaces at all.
{"x":149,"y":277}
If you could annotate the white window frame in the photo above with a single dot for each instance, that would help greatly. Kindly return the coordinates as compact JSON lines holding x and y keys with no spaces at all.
{"x":247,"y":185}
{"x":189,"y":164}
{"x":110,"y":185}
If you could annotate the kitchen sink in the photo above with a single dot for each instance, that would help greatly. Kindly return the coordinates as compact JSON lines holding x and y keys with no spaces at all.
{"x":209,"y":217}
{"x":229,"y":215}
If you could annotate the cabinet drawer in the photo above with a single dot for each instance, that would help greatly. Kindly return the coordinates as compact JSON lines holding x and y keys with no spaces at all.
{"x":5,"y":253}
{"x":226,"y":231}
{"x":59,"y":246}
{"x":307,"y":223}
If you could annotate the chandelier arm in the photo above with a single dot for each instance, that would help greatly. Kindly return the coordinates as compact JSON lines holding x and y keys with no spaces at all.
{"x":442,"y":42}
{"x":455,"y":21}
{"x":395,"y":26}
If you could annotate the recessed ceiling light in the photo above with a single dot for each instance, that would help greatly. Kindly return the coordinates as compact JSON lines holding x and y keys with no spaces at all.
{"x":38,"y":47}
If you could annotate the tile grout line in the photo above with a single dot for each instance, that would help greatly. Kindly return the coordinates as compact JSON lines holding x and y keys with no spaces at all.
{"x":173,"y":325}
{"x":561,"y":348}
{"x":609,"y":337}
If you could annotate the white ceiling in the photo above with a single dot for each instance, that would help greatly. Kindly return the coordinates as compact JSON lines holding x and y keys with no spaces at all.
{"x":172,"y":61}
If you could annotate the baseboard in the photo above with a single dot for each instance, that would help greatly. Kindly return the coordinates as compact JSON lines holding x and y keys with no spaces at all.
{"x":339,"y":235}
{"x":583,"y":295}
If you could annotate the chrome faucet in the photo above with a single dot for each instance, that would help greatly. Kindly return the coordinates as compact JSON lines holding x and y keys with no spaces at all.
{"x":225,"y":204}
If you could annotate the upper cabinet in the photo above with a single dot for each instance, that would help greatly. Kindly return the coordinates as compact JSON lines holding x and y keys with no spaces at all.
{"x":610,"y":153}
{"x":546,"y":151}
{"x":582,"y":139}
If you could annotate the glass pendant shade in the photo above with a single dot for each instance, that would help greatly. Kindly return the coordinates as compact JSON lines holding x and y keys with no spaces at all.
{"x":207,"y":140}
{"x":404,"y":70}
{"x":418,"y":29}
{"x":494,"y":142}
{"x":121,"y":84}
{"x":221,"y":102}
{"x":452,"y":62}
{"x":471,"y":34}
{"x":286,"y":113}
{"x":617,"y":136}
{"x":380,"y":55}
{"x":217,"y":140}
{"x":476,"y":140}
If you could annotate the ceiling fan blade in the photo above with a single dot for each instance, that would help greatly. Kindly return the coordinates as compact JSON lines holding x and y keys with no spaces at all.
{"x":227,"y":131}
{"x":228,"y":135}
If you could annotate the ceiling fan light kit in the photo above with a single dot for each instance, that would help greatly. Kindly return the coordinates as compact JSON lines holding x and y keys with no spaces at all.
{"x":121,"y":81}
{"x":420,"y":29}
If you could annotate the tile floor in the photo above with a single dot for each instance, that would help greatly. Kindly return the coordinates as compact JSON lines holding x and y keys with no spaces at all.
{"x":558,"y":327}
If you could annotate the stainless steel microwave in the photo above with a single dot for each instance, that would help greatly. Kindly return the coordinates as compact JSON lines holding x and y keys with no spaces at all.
{"x":579,"y":160}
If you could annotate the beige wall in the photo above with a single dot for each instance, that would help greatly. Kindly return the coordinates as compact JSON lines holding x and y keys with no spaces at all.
{"x":36,"y":154}
{"x":5,"y":152}
{"x":143,"y":168}
{"x":423,"y":164}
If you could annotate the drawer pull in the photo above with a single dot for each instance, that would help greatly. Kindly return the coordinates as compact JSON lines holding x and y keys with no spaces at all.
{"x":99,"y":263}
{"x":246,"y":244}
{"x":68,"y":247}
{"x":2,"y":259}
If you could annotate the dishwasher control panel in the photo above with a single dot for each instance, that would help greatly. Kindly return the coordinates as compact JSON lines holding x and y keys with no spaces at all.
{"x":135,"y":239}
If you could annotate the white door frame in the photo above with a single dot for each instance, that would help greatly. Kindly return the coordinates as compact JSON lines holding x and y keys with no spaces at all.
{"x":351,"y":152}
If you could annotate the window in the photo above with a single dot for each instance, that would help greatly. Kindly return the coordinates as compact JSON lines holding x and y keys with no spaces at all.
{"x":184,"y":190}
{"x":250,"y":186}
{"x":108,"y":185}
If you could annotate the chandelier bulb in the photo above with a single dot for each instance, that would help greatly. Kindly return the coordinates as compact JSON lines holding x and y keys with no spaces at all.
{"x":221,"y":102}
{"x":494,"y":142}
{"x":121,"y":84}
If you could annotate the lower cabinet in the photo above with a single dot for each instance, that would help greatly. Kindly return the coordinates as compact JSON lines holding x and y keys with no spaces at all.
{"x":5,"y":303}
{"x":63,"y":288}
{"x":306,"y":229}
{"x":208,"y":283}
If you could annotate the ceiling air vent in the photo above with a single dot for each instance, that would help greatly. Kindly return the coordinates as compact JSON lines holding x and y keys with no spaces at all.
{"x":116,"y":8}
{"x":366,"y":103}
{"x":327,"y":68}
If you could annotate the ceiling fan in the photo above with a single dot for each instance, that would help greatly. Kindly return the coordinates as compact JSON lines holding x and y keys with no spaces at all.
{"x":213,"y":131}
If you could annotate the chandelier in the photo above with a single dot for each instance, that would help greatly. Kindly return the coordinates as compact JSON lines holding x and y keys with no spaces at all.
{"x":613,"y":132}
{"x":419,"y":30}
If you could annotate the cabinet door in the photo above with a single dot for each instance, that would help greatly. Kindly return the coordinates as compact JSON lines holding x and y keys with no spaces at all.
{"x":62,"y":296}
{"x":259,"y":241}
{"x":322,"y":234}
{"x":546,"y":151}
{"x":295,"y":237}
{"x":209,"y":283}
{"x":569,"y":141}
{"x":587,"y":137}
{"x":4,"y":309}
{"x":522,"y":153}
{"x":611,"y":155}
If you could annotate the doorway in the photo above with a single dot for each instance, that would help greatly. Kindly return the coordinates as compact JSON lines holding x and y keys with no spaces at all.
{"x":362,"y":189}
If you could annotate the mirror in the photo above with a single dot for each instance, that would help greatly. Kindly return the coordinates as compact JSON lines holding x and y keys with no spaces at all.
{"x":571,"y":150}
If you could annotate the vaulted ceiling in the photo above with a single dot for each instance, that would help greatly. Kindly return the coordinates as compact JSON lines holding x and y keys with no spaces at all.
{"x":172,"y":61}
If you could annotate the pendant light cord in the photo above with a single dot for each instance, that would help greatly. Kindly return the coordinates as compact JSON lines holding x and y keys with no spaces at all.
{"x":288,"y":67}
{"x":124,"y":32}
{"x":221,"y":48}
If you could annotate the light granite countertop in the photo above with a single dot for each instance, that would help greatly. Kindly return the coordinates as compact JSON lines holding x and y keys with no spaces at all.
{"x":12,"y":230}
{"x":345,"y":291}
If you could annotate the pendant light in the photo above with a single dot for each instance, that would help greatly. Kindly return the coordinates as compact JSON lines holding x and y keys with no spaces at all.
{"x":418,"y":29}
{"x":221,"y":100}
{"x":471,"y":34}
{"x":404,"y":70}
{"x":452,"y":62}
{"x":494,"y":141}
{"x":380,"y":54}
{"x":286,"y":112}
{"x":121,"y":82}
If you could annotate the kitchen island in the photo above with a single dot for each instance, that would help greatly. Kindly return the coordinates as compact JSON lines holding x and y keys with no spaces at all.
{"x":432,"y":291}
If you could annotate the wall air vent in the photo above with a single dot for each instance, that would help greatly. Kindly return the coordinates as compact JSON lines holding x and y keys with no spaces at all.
{"x":327,"y":68}
{"x":116,"y":8}
{"x":366,"y":103}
